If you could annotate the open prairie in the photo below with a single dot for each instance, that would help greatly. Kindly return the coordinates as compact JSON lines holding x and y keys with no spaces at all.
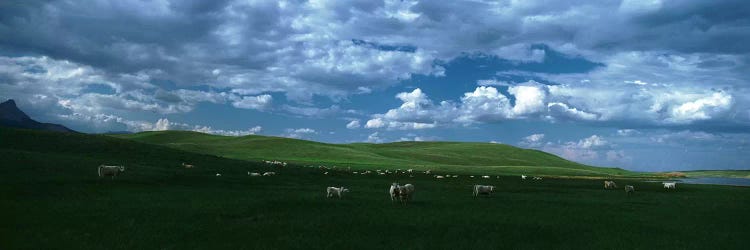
{"x":228,"y":124}
{"x":52,"y":198}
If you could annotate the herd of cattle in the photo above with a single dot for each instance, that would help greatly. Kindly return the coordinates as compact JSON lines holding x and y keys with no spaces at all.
{"x":402,"y":193}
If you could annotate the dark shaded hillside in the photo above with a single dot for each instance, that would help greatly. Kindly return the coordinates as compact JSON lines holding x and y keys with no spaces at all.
{"x":34,"y":153}
{"x":11,"y":116}
{"x":51,"y":198}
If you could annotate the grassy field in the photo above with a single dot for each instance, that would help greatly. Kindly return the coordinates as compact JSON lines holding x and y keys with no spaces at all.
{"x":463,"y":157}
{"x":718,"y":173}
{"x":52,"y":199}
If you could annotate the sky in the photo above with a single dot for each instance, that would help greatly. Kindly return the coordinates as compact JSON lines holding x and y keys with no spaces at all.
{"x":644,"y":85}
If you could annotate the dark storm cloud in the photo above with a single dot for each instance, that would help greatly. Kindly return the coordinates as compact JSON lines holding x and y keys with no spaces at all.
{"x":631,"y":54}
{"x":184,"y":41}
{"x":692,"y":26}
{"x":127,"y":37}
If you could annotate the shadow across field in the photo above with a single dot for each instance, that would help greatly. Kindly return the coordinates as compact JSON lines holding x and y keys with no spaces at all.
{"x":52,"y":199}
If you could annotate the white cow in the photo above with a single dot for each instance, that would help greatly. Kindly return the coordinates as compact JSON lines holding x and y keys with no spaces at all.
{"x":439,"y":177}
{"x":253,"y":174}
{"x":218,"y":174}
{"x":670,"y":185}
{"x":394,"y":191}
{"x":482,"y":189}
{"x":331,"y":191}
{"x":113,"y":171}
{"x":406,"y":192}
{"x":269,"y":173}
{"x":523,"y":177}
{"x":187,"y":165}
{"x":609,"y":185}
{"x":485,"y":176}
{"x":629,"y":189}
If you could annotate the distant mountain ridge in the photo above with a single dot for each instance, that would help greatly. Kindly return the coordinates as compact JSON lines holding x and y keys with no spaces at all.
{"x":12,"y":116}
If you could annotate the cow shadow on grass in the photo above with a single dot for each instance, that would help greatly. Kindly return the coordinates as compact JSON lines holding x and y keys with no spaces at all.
{"x":417,"y":203}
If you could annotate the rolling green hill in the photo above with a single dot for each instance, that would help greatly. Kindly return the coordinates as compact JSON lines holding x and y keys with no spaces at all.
{"x":51,"y":198}
{"x":41,"y":155}
{"x":463,"y":157}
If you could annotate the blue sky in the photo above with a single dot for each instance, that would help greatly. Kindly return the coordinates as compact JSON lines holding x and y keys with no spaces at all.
{"x":643,"y":85}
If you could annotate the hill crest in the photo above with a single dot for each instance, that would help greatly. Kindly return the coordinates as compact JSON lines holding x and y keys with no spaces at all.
{"x":418,"y":155}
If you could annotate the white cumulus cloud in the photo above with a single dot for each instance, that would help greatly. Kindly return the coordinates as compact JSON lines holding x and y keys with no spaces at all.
{"x":353,"y":124}
{"x":254,"y":102}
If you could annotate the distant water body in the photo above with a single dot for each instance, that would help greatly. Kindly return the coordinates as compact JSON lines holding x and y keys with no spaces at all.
{"x":718,"y":181}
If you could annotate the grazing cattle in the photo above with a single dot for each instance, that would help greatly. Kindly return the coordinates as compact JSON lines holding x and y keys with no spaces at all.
{"x":482,"y":189}
{"x":428,"y":172}
{"x":455,"y":176}
{"x":274,"y":162}
{"x":410,"y":171}
{"x":629,"y":189}
{"x":334,"y":191}
{"x":471,"y":176}
{"x":439,"y":177}
{"x":253,"y":174}
{"x":523,"y":177}
{"x":187,"y":165}
{"x":485,"y":176}
{"x":609,"y":185}
{"x":269,"y":173}
{"x":670,"y":185}
{"x":113,"y":171}
{"x":394,"y":191}
{"x":406,"y":192}
{"x":218,"y":174}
